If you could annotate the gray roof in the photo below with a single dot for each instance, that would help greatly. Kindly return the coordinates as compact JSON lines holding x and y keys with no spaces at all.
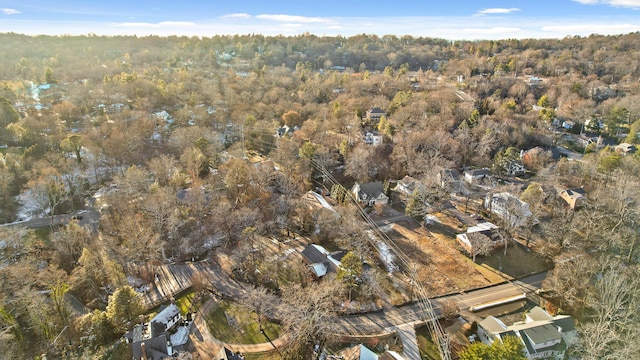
{"x":155,"y":348}
{"x":543,"y":333}
{"x":558,"y":347}
{"x":565,"y":322}
{"x":538,"y":314}
{"x":376,"y":111}
{"x":373,"y":190}
{"x":493,"y":325}
{"x":478,"y":172}
{"x":321,"y":260}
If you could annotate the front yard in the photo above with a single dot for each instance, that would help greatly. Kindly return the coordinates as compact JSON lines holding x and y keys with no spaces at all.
{"x":233,"y":324}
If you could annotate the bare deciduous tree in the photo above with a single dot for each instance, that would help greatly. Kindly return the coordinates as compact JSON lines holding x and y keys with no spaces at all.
{"x":308,"y":317}
{"x":480,"y":245}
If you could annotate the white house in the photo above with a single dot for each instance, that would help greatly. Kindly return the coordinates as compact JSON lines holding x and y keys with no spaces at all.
{"x":508,"y":207}
{"x":486,"y":228}
{"x":543,"y":336}
{"x":166,"y":320}
{"x":476,"y":175}
{"x":370,"y":194}
{"x":374,"y":139}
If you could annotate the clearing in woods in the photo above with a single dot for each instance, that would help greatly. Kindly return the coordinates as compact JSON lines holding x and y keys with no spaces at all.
{"x":440,"y":266}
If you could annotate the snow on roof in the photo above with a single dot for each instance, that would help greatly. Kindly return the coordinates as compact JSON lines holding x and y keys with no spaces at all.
{"x":325,"y":204}
{"x":324,"y":251}
{"x":180,"y":337}
{"x":166,"y":314}
{"x":319,"y":269}
{"x":484,"y":226}
{"x":366,"y":354}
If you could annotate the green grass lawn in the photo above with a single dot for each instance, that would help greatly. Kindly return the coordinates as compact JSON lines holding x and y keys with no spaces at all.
{"x":43,"y":234}
{"x":184,"y":301}
{"x":245,"y":328}
{"x":516,"y":263}
{"x":428,"y":349}
{"x":273,"y":355}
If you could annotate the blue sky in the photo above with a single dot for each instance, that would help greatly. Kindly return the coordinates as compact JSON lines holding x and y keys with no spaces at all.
{"x":449,"y":19}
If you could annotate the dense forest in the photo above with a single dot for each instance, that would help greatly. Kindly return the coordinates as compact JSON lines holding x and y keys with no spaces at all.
{"x":163,"y":128}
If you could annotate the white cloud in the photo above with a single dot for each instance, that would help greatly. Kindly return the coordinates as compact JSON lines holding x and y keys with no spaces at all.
{"x":10,"y":11}
{"x":163,"y":24}
{"x":292,"y":18}
{"x":236,"y":16}
{"x":634,"y":4}
{"x":493,"y":31}
{"x":586,"y":29}
{"x":491,"y":11}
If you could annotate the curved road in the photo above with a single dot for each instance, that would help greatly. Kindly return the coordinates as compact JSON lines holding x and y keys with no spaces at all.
{"x":379,"y":323}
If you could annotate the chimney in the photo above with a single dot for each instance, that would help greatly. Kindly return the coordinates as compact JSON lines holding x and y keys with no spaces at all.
{"x":169,"y":347}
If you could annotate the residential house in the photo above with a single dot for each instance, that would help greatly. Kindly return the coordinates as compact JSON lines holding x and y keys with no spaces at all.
{"x":603,"y":93}
{"x":162,"y":337}
{"x":476,"y":175}
{"x":391,"y":355}
{"x":508,"y":207}
{"x":625,"y":148}
{"x":450,"y":180}
{"x":533,"y":81}
{"x":373,"y":138}
{"x":515,"y":168}
{"x":574,"y":197}
{"x":361,"y":352}
{"x":543,"y":336}
{"x":485,"y":228}
{"x":320,"y":261}
{"x":226,"y":354}
{"x":568,"y":124}
{"x":370,"y":194}
{"x":166,"y":320}
{"x":374,"y":114}
{"x":406,"y":186}
{"x":286,"y":130}
{"x":357,"y":352}
{"x":155,"y":348}
{"x":317,"y":211}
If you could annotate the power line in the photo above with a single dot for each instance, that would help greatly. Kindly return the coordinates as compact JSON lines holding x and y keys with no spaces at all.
{"x":426,"y":308}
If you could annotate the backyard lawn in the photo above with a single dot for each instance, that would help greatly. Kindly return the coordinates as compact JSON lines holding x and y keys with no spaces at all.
{"x":233,"y":324}
{"x":517,"y":263}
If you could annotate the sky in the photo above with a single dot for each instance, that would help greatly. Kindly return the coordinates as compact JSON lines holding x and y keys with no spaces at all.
{"x":447,"y":19}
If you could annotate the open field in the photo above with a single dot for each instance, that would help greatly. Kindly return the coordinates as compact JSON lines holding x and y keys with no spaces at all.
{"x":441,"y":268}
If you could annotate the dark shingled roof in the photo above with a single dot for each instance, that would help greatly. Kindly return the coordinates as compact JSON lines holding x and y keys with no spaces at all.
{"x":156,"y":348}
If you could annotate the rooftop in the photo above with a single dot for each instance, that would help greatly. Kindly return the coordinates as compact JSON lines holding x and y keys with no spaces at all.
{"x":166,"y":314}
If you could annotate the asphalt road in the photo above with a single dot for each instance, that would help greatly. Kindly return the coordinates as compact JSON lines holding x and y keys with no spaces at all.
{"x":386,"y":321}
{"x":87,"y":216}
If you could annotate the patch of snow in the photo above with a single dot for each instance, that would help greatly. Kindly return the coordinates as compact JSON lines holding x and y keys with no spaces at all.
{"x":433,"y":219}
{"x":180,"y":337}
{"x":386,"y":254}
{"x":29,"y":207}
